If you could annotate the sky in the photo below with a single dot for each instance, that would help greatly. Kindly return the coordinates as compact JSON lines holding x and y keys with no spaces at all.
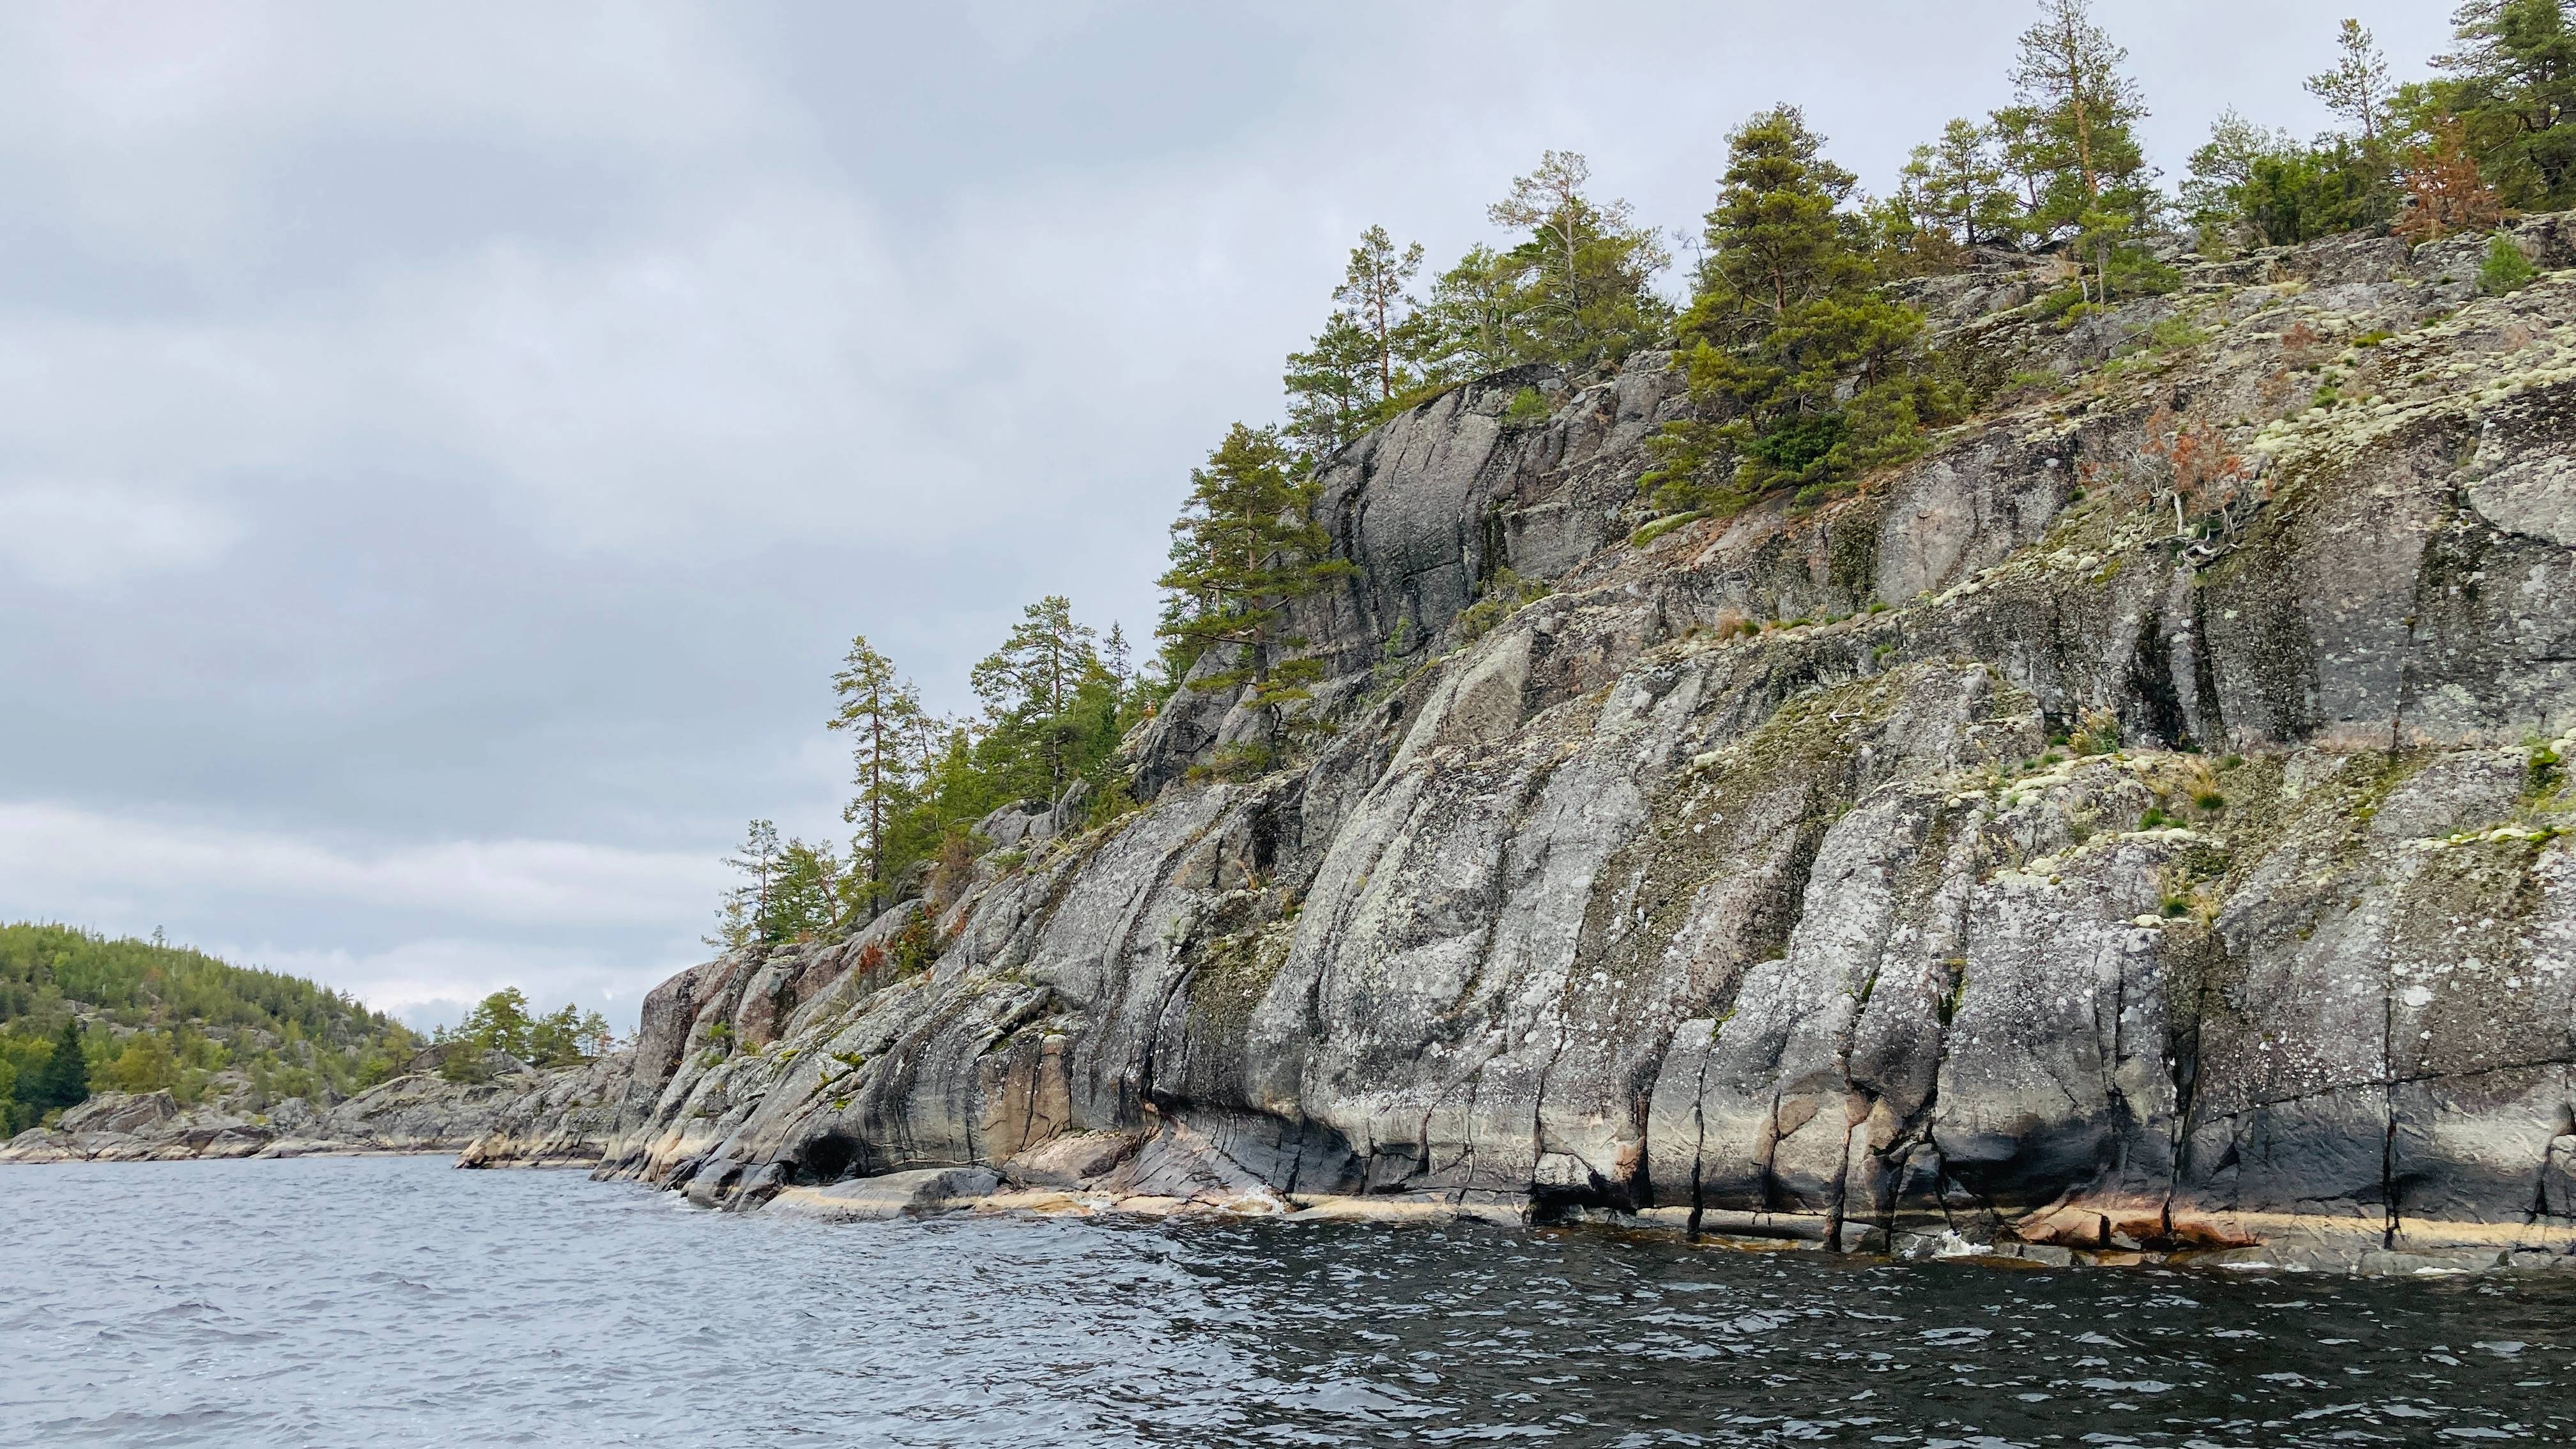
{"x":445,"y":450}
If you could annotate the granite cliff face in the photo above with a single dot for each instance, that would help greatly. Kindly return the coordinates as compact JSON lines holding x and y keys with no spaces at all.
{"x":2134,"y":826}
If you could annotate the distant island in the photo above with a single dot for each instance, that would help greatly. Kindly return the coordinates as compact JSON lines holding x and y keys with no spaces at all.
{"x":125,"y":1048}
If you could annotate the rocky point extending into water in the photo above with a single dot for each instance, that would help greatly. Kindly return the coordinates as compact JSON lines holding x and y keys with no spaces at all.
{"x":2133,"y":828}
{"x":418,"y":1111}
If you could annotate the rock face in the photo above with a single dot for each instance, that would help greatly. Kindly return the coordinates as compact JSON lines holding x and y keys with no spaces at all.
{"x":2135,"y":826}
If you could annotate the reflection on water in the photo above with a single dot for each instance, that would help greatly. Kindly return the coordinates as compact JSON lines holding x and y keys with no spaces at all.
{"x":392,"y":1301}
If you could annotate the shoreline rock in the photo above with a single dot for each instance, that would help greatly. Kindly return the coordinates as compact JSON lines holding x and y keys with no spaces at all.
{"x":416,"y":1113}
{"x":2309,"y":1245}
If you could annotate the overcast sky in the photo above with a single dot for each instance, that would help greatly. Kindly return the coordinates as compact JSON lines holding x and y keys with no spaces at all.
{"x":444,"y":450}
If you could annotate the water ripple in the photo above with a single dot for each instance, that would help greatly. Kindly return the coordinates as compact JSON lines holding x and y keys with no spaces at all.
{"x":391,"y":1302}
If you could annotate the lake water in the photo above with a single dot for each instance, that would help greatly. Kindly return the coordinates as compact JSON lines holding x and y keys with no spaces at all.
{"x":392,"y":1301}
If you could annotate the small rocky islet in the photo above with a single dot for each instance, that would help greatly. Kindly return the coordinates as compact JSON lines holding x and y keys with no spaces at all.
{"x":2015,"y":857}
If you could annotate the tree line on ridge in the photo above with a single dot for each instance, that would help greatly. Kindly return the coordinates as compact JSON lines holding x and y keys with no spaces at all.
{"x":1805,"y":372}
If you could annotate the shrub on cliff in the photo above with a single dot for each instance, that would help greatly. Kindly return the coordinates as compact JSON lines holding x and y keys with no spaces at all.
{"x":916,"y":947}
{"x":2505,"y":268}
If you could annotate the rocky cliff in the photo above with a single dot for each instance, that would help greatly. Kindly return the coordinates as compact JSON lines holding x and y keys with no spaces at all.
{"x":2136,"y":826}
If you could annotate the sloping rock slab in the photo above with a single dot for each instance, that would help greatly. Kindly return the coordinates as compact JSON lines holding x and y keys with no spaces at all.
{"x":894,"y":1195}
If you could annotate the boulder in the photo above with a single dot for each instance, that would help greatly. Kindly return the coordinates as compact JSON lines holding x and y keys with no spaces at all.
{"x":893,"y":1195}
{"x":1011,"y":826}
{"x":121,"y":1112}
{"x":1067,"y":1162}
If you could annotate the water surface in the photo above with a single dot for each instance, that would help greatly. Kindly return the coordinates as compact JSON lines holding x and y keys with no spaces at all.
{"x":392,"y":1301}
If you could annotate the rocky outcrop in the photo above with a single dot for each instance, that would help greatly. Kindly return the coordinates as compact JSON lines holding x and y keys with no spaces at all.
{"x":417,"y":1112}
{"x":2137,"y":826}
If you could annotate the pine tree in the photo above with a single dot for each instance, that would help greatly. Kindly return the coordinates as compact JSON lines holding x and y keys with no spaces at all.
{"x":1244,"y":547}
{"x":2357,"y":88}
{"x":1332,"y":387}
{"x":1093,"y":724}
{"x":743,"y":917}
{"x":734,"y":929}
{"x":1802,"y":372}
{"x":504,"y":1022}
{"x":882,"y":713}
{"x":2075,"y":122}
{"x":1373,"y":296}
{"x":1177,"y":645}
{"x":1028,"y":684}
{"x":2223,"y":169}
{"x":567,"y":1036}
{"x":1472,"y":326}
{"x":64,"y":1079}
{"x":808,"y":894}
{"x":1138,"y":692}
{"x":1118,"y":657}
{"x":1585,"y":273}
{"x":2250,"y":185}
{"x":2028,"y":159}
{"x":2068,"y":76}
{"x":964,"y":775}
{"x":1348,"y":378}
{"x":1777,"y":237}
{"x":1955,"y":186}
{"x":500,"y":1022}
